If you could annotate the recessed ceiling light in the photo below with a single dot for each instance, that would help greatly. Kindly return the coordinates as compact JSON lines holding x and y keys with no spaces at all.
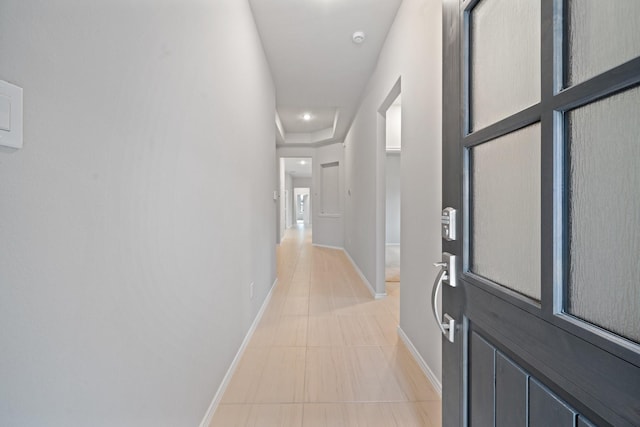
{"x":358,"y":37}
{"x":306,"y":116}
{"x":302,"y":162}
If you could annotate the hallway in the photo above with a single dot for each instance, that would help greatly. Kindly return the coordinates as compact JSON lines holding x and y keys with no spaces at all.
{"x":325,"y":353}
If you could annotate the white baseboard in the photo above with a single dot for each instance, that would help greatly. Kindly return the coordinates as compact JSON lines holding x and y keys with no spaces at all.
{"x":362,"y":276}
{"x":364,"y":279}
{"x":234,"y":364}
{"x":421,"y":363}
{"x":318,"y":245}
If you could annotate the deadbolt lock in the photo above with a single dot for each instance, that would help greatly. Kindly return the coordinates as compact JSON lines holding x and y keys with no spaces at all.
{"x":449,"y":224}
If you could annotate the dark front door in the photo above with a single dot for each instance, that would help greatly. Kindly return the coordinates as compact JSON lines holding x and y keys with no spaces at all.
{"x":541,"y":162}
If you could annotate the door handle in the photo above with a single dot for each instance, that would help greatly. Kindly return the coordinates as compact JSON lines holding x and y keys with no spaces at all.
{"x":448,"y":327}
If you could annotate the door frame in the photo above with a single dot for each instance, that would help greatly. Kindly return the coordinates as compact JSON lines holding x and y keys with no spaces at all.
{"x":454,"y":355}
{"x":381,"y":189}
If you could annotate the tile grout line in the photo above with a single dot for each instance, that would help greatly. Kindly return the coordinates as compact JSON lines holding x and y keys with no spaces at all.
{"x":269,"y":348}
{"x":306,"y":348}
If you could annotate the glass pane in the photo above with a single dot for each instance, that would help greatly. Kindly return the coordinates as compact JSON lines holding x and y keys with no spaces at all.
{"x":505,"y":59}
{"x":505,"y":214}
{"x":602,"y":35}
{"x":604,"y":213}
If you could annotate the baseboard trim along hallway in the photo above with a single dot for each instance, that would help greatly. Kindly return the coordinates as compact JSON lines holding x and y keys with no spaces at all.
{"x":364,"y":278}
{"x":437,"y":385}
{"x":318,"y":245}
{"x":234,"y":364}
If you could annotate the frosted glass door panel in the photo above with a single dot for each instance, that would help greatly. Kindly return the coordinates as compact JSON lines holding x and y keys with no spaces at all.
{"x":602,"y":35}
{"x":604,"y":213}
{"x":505,"y":59}
{"x":505,"y":213}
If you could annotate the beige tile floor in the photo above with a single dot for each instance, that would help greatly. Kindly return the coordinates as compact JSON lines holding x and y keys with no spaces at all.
{"x":326,"y":353}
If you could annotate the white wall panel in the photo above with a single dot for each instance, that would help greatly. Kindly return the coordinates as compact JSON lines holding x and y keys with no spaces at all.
{"x":133,"y":220}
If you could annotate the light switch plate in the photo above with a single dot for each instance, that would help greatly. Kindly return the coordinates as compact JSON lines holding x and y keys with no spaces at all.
{"x":10,"y":115}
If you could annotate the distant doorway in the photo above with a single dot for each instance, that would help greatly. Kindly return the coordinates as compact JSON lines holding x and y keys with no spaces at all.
{"x":295,"y":204}
{"x":393,"y":147}
{"x":302,"y":197}
{"x":388,"y":184}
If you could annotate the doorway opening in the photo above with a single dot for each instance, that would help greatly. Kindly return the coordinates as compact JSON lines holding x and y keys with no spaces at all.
{"x":302,"y":197}
{"x":393,"y":193}
{"x":296,"y":208}
{"x":388,"y":197}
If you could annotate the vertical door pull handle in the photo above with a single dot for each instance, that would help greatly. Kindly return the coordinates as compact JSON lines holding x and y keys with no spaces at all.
{"x":448,"y":327}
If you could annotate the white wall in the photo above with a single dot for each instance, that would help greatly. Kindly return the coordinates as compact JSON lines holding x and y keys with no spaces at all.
{"x":132,"y":220}
{"x":328,"y":230}
{"x":286,"y":201}
{"x":394,"y":126}
{"x":411,"y":52}
{"x":282,"y":200}
{"x":288,"y":186}
{"x":302,"y":182}
{"x":393,"y":191}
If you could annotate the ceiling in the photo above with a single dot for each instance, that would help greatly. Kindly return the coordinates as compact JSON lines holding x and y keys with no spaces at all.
{"x":316,"y":66}
{"x":293,"y":121}
{"x":296,"y":169}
